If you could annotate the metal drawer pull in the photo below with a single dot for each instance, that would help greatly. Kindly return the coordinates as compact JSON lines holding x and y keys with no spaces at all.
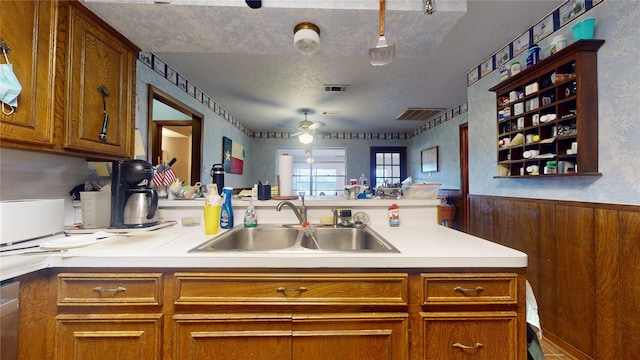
{"x":115,"y":290}
{"x":284,"y":291}
{"x":464,"y":290}
{"x":466,"y":347}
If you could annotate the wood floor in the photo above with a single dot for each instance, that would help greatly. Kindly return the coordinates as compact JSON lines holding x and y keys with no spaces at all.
{"x":552,"y":352}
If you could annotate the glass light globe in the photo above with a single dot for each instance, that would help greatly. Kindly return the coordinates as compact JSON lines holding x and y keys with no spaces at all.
{"x":305,"y":138}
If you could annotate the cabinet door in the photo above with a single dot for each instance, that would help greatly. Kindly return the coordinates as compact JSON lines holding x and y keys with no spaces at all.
{"x":97,"y":58}
{"x":232,"y":336}
{"x":361,"y":336}
{"x":25,"y":27}
{"x":99,"y":337}
{"x":472,"y":335}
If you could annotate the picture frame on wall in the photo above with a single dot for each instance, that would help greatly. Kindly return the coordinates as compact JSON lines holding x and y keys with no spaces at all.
{"x":520,"y":44}
{"x":429,"y":160}
{"x":159,"y":66}
{"x":571,"y":10}
{"x":543,"y":29}
{"x":503,"y":56}
{"x":472,"y":76}
{"x":486,"y":67}
{"x":172,"y":75}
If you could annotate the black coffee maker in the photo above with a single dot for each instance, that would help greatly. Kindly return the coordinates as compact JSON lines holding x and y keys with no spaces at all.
{"x":133,"y":202}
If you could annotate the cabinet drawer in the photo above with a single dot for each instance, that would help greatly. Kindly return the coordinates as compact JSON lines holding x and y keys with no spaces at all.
{"x":100,"y":289}
{"x":291,"y":289}
{"x":451,"y":289}
{"x":470,"y":335}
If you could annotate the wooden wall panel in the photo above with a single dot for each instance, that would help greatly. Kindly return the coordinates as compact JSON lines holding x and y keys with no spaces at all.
{"x":629,"y":284}
{"x":504,"y":223}
{"x":607,"y":283}
{"x":576,"y":276}
{"x":546,"y":294}
{"x":584,"y":261}
{"x":454,"y":197}
{"x":481,"y":218}
{"x":527,"y":238}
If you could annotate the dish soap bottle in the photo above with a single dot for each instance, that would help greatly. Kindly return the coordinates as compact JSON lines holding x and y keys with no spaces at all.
{"x":212,"y":205}
{"x":226,"y":213}
{"x":250,"y":217}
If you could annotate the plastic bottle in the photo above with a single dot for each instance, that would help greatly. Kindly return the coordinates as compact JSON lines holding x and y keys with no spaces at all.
{"x":394,"y":215}
{"x":363,"y":180}
{"x":250,"y":216}
{"x":226,"y":213}
{"x":212,"y":205}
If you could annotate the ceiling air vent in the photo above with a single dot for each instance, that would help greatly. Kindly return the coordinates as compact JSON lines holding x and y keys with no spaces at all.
{"x":336,"y":88}
{"x":421,"y":114}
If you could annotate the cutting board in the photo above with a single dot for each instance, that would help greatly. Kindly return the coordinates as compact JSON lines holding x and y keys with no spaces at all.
{"x":284,"y":197}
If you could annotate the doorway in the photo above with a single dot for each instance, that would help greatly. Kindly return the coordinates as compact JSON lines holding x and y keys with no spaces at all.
{"x":175,"y":131}
{"x":464,"y":175}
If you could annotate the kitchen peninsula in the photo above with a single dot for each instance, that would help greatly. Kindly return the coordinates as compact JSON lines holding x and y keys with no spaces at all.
{"x":146,"y":296}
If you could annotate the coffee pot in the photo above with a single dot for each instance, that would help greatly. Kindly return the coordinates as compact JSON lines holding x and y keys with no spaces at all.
{"x":133,"y":202}
{"x":140,"y":208}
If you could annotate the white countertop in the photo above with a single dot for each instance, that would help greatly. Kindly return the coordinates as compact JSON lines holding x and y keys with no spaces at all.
{"x":421,"y":242}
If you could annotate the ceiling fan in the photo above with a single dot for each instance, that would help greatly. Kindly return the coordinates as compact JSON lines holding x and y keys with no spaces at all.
{"x":308,"y":128}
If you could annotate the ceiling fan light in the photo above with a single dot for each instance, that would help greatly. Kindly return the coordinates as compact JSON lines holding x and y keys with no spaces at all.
{"x":306,"y":38}
{"x":305,"y":138}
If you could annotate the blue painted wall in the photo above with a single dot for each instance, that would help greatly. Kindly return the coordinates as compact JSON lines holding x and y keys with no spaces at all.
{"x":619,"y":106}
{"x":618,"y":116}
{"x":214,"y":126}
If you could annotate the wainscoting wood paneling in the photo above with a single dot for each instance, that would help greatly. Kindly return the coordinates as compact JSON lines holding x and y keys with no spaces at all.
{"x":583,"y":267}
{"x":454,"y":197}
{"x":629,"y":268}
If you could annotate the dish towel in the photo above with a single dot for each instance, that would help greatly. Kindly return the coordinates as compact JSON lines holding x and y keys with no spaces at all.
{"x":533,"y":324}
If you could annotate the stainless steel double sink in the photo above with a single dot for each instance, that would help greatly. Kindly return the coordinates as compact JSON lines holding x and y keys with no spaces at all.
{"x":283,"y":238}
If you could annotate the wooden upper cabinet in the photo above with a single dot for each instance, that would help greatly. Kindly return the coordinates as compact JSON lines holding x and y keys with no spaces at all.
{"x":96,"y":57}
{"x":61,"y":53}
{"x":26,"y":29}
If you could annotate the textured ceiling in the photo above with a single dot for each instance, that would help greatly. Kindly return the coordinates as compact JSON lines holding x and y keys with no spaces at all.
{"x":244,"y":58}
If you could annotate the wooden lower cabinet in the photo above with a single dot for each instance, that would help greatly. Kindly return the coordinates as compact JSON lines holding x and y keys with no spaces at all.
{"x":366,"y":336}
{"x":474,"y":315}
{"x":232,"y":336}
{"x":472,"y":335}
{"x":320,"y":316}
{"x":108,"y":336}
{"x":275,"y":315}
{"x":351,"y":336}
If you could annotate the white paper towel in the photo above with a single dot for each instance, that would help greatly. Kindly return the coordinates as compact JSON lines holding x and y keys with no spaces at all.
{"x":285,"y":175}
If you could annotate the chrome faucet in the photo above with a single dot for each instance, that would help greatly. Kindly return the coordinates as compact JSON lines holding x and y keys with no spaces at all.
{"x":300,"y":214}
{"x":335,"y":217}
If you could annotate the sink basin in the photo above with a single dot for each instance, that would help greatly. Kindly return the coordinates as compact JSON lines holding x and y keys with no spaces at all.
{"x":349,"y":239}
{"x":278,"y":238}
{"x":260,"y":238}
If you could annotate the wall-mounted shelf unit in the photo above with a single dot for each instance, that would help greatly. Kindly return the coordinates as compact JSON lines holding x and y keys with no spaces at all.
{"x":547,"y":116}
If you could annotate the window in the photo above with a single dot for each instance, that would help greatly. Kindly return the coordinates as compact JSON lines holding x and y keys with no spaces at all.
{"x":388,"y":165}
{"x":317,"y":171}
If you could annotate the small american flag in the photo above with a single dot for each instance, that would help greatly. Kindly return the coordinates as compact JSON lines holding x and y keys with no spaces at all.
{"x":164,"y":177}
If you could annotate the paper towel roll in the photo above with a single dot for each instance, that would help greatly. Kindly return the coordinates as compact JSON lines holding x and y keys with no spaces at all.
{"x":285,"y":175}
{"x":530,"y":154}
